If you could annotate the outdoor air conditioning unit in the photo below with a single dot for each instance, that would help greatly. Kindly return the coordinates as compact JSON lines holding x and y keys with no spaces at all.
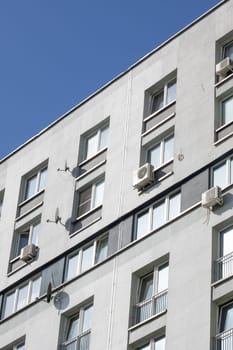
{"x":143,"y":176}
{"x":28,"y":252}
{"x":212,"y":197}
{"x":224,"y":67}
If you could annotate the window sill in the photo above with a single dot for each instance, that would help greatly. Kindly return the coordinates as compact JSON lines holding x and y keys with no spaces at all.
{"x":224,"y":80}
{"x":156,"y":181}
{"x":159,"y":111}
{"x":85,"y":227}
{"x":87,"y":213}
{"x":165,"y":120}
{"x":221,"y":281}
{"x":224,"y":126}
{"x":30,"y":199}
{"x":216,"y":143}
{"x":132,"y":328}
{"x":29,"y":211}
{"x":90,"y":170}
{"x":85,"y":161}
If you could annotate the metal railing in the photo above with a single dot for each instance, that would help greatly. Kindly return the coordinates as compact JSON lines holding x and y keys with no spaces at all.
{"x":224,"y":340}
{"x":78,"y":343}
{"x":224,"y":266}
{"x":151,"y":307}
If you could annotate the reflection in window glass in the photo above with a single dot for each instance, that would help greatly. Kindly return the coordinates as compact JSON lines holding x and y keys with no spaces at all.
{"x":220,"y":175}
{"x":227,"y":110}
{"x":73,"y":328}
{"x":226,"y":318}
{"x":168,"y":149}
{"x":157,"y":101}
{"x":35,"y":233}
{"x":104,"y":137}
{"x":171,"y":91}
{"x":146,"y":288}
{"x":72,"y":268}
{"x":22,"y":297}
{"x":42,"y":179}
{"x":92,"y":145}
{"x":87,"y":318}
{"x":174,"y":206}
{"x":30,"y":187}
{"x":159,"y":215}
{"x":99,"y":194}
{"x":87,"y":258}
{"x":9,"y":304}
{"x":101,"y":249}
{"x":143,"y":224}
{"x":162,"y":278}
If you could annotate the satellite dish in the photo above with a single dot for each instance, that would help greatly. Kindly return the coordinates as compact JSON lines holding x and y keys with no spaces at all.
{"x":61,"y":300}
{"x":66,"y":167}
{"x":57,"y":218}
{"x":49,"y":293}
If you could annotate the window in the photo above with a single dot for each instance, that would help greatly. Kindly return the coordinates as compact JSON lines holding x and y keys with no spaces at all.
{"x":1,"y":201}
{"x":226,"y":111}
{"x":95,"y":142}
{"x":79,"y":330}
{"x":158,"y":214}
{"x":21,"y":296}
{"x":86,"y":257}
{"x":163,"y":97}
{"x":162,"y":152}
{"x":17,"y":346}
{"x":152,"y":295}
{"x":223,"y":173}
{"x":26,"y":236}
{"x":228,"y":50}
{"x":91,"y":197}
{"x":154,"y":344}
{"x":225,"y":262}
{"x":35,"y":183}
{"x":224,"y":339}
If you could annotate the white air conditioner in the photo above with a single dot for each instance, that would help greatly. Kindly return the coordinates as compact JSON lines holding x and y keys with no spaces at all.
{"x":28,"y":252}
{"x":212,"y":197}
{"x":224,"y":67}
{"x":143,"y":176}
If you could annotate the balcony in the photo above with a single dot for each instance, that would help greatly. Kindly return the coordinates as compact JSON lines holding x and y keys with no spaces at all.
{"x":224,"y":340}
{"x":80,"y":342}
{"x":224,"y":266}
{"x":151,"y":307}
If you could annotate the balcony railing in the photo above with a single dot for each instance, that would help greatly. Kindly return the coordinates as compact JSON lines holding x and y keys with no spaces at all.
{"x":224,"y":266}
{"x":151,"y":307}
{"x":224,"y":340}
{"x":78,"y":343}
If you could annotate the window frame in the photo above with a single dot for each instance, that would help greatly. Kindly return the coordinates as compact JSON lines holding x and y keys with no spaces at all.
{"x":98,"y":132}
{"x":162,"y":87}
{"x":150,"y":225}
{"x":36,"y":173}
{"x":228,"y":173}
{"x":229,"y":43}
{"x":161,"y":144}
{"x":92,"y":199}
{"x":151,"y":343}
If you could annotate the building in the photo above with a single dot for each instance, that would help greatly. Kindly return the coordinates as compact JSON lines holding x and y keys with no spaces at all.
{"x":116,"y":221}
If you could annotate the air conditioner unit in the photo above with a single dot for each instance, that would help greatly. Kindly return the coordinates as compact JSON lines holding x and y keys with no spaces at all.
{"x":212,"y":197}
{"x":224,"y":67}
{"x":28,"y":252}
{"x":143,"y":176}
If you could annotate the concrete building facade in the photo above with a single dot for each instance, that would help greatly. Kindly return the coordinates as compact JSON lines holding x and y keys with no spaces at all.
{"x":107,"y":241}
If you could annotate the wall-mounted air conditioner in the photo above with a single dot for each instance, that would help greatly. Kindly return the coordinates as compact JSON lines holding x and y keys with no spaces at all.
{"x":224,"y":67}
{"x":143,"y":176}
{"x":28,"y":252}
{"x":212,"y":197}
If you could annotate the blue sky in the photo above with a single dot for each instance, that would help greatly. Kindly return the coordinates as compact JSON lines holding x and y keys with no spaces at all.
{"x":54,"y":53}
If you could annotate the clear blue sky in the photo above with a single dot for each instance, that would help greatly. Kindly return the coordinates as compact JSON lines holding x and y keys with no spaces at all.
{"x":54,"y":53}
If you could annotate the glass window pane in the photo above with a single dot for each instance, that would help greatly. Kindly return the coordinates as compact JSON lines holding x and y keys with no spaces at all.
{"x":42,"y":179}
{"x":22,"y":297}
{"x":174,"y":206}
{"x":87,"y":258}
{"x":30,"y":187}
{"x":144,"y":347}
{"x":226,"y":238}
{"x":35,"y":234}
{"x":72,"y":268}
{"x":35,"y":289}
{"x":73,"y":328}
{"x":154,"y":157}
{"x":162,"y":278}
{"x":84,"y":201}
{"x":92,"y":145}
{"x":20,"y":347}
{"x":104,"y":137}
{"x":231,"y":170}
{"x":9,"y":304}
{"x":171,"y":91}
{"x":142,"y":224}
{"x":220,"y":175}
{"x":99,"y":194}
{"x":158,"y":215}
{"x":160,"y":344}
{"x":146,"y":288}
{"x":101,"y":249}
{"x":157,"y":101}
{"x":227,"y":318}
{"x":227,"y":110}
{"x":228,"y":50}
{"x":168,"y":149}
{"x":87,"y":318}
{"x":23,"y":241}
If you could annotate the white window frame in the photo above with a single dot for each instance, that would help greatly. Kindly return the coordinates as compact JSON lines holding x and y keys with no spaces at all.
{"x":228,"y":171}
{"x":151,"y":343}
{"x":93,"y":196}
{"x":166,"y":201}
{"x":156,"y":92}
{"x":161,"y":145}
{"x":38,"y":177}
{"x":27,"y":230}
{"x":220,"y":123}
{"x":230,"y":43}
{"x":79,"y":254}
{"x":16,"y":296}
{"x":98,"y":133}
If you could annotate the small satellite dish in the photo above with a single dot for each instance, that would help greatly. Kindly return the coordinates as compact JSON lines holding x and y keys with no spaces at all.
{"x":61,"y":300}
{"x":57,"y":217}
{"x":49,"y":293}
{"x":66,"y":167}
